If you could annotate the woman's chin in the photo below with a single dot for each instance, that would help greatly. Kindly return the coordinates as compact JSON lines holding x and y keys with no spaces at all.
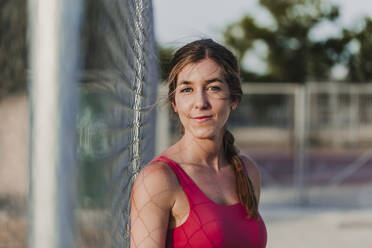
{"x":204,"y":134}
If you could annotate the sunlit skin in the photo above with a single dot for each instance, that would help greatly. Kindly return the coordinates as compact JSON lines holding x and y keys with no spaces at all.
{"x":203,"y":104}
{"x":202,"y":100}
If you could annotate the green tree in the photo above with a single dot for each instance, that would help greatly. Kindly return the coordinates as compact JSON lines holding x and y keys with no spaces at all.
{"x":164,"y":57}
{"x":293,"y":55}
{"x":13,"y":55}
{"x":359,"y":63}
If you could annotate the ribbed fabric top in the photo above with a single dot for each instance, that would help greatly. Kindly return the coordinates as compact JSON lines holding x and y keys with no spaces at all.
{"x":210,"y":224}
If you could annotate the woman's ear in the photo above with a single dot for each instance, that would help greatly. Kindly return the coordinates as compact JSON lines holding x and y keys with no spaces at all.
{"x":174,"y":107}
{"x":234,"y":104}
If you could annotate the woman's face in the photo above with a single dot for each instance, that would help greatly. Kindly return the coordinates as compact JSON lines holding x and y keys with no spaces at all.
{"x":202,"y":99}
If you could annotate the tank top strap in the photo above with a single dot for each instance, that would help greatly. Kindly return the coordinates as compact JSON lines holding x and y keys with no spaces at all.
{"x":192,"y":191}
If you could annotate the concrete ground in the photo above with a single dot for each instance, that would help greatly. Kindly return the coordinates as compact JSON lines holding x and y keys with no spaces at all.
{"x":318,"y":227}
{"x":340,"y":222}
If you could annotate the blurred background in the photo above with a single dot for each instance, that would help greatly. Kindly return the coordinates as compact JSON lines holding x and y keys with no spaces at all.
{"x":305,"y":118}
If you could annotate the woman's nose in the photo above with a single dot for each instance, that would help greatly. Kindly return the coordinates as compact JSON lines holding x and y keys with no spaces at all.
{"x":201,"y":101}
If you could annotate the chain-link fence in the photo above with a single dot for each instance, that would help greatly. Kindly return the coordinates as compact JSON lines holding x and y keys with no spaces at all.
{"x":312,"y":142}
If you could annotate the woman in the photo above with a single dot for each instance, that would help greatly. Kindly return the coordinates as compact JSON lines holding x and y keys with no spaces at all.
{"x":200,"y":192}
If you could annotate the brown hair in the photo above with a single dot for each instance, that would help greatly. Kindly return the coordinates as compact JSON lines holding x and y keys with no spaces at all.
{"x":194,"y":52}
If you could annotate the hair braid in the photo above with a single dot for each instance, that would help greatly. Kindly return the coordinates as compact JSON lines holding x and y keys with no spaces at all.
{"x":244,"y":185}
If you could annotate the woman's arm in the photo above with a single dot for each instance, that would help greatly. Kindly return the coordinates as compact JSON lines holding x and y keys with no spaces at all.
{"x":152,"y":199}
{"x":253,"y":174}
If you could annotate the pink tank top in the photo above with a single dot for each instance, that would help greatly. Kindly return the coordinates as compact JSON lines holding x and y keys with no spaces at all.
{"x":210,"y":224}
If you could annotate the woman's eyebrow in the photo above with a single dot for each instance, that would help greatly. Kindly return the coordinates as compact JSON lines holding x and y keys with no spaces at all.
{"x":208,"y":81}
{"x":214,"y":80}
{"x":185,"y":82}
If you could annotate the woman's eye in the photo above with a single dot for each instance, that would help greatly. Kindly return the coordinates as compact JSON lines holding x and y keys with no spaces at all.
{"x":186,"y":90}
{"x":214,"y":88}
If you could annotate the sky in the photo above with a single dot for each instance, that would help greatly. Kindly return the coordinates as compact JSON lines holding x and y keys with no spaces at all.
{"x":177,"y":22}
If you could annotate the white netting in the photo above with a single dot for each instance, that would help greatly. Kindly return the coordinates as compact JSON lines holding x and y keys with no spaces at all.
{"x":117,"y":120}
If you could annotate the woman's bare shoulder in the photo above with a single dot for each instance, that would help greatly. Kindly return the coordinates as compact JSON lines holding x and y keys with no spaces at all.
{"x":152,"y":198}
{"x":156,"y":179}
{"x":158,"y":168}
{"x":157,"y":173}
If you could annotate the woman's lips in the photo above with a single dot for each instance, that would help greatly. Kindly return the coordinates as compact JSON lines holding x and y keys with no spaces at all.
{"x":203,"y":118}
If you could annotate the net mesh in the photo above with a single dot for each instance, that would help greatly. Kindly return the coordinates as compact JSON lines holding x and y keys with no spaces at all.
{"x":117,"y":117}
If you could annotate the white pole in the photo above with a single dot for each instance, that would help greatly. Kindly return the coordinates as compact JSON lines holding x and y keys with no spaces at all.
{"x":336,"y":138}
{"x":53,"y":31}
{"x":354,"y":115}
{"x":300,"y":143}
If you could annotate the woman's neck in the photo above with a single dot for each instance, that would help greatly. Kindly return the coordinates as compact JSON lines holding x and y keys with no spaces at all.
{"x":206,"y":152}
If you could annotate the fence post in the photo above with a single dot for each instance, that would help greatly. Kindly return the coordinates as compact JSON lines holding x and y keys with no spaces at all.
{"x":54,"y":28}
{"x":300,"y":144}
{"x":354,"y":116}
{"x":335,"y":122}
